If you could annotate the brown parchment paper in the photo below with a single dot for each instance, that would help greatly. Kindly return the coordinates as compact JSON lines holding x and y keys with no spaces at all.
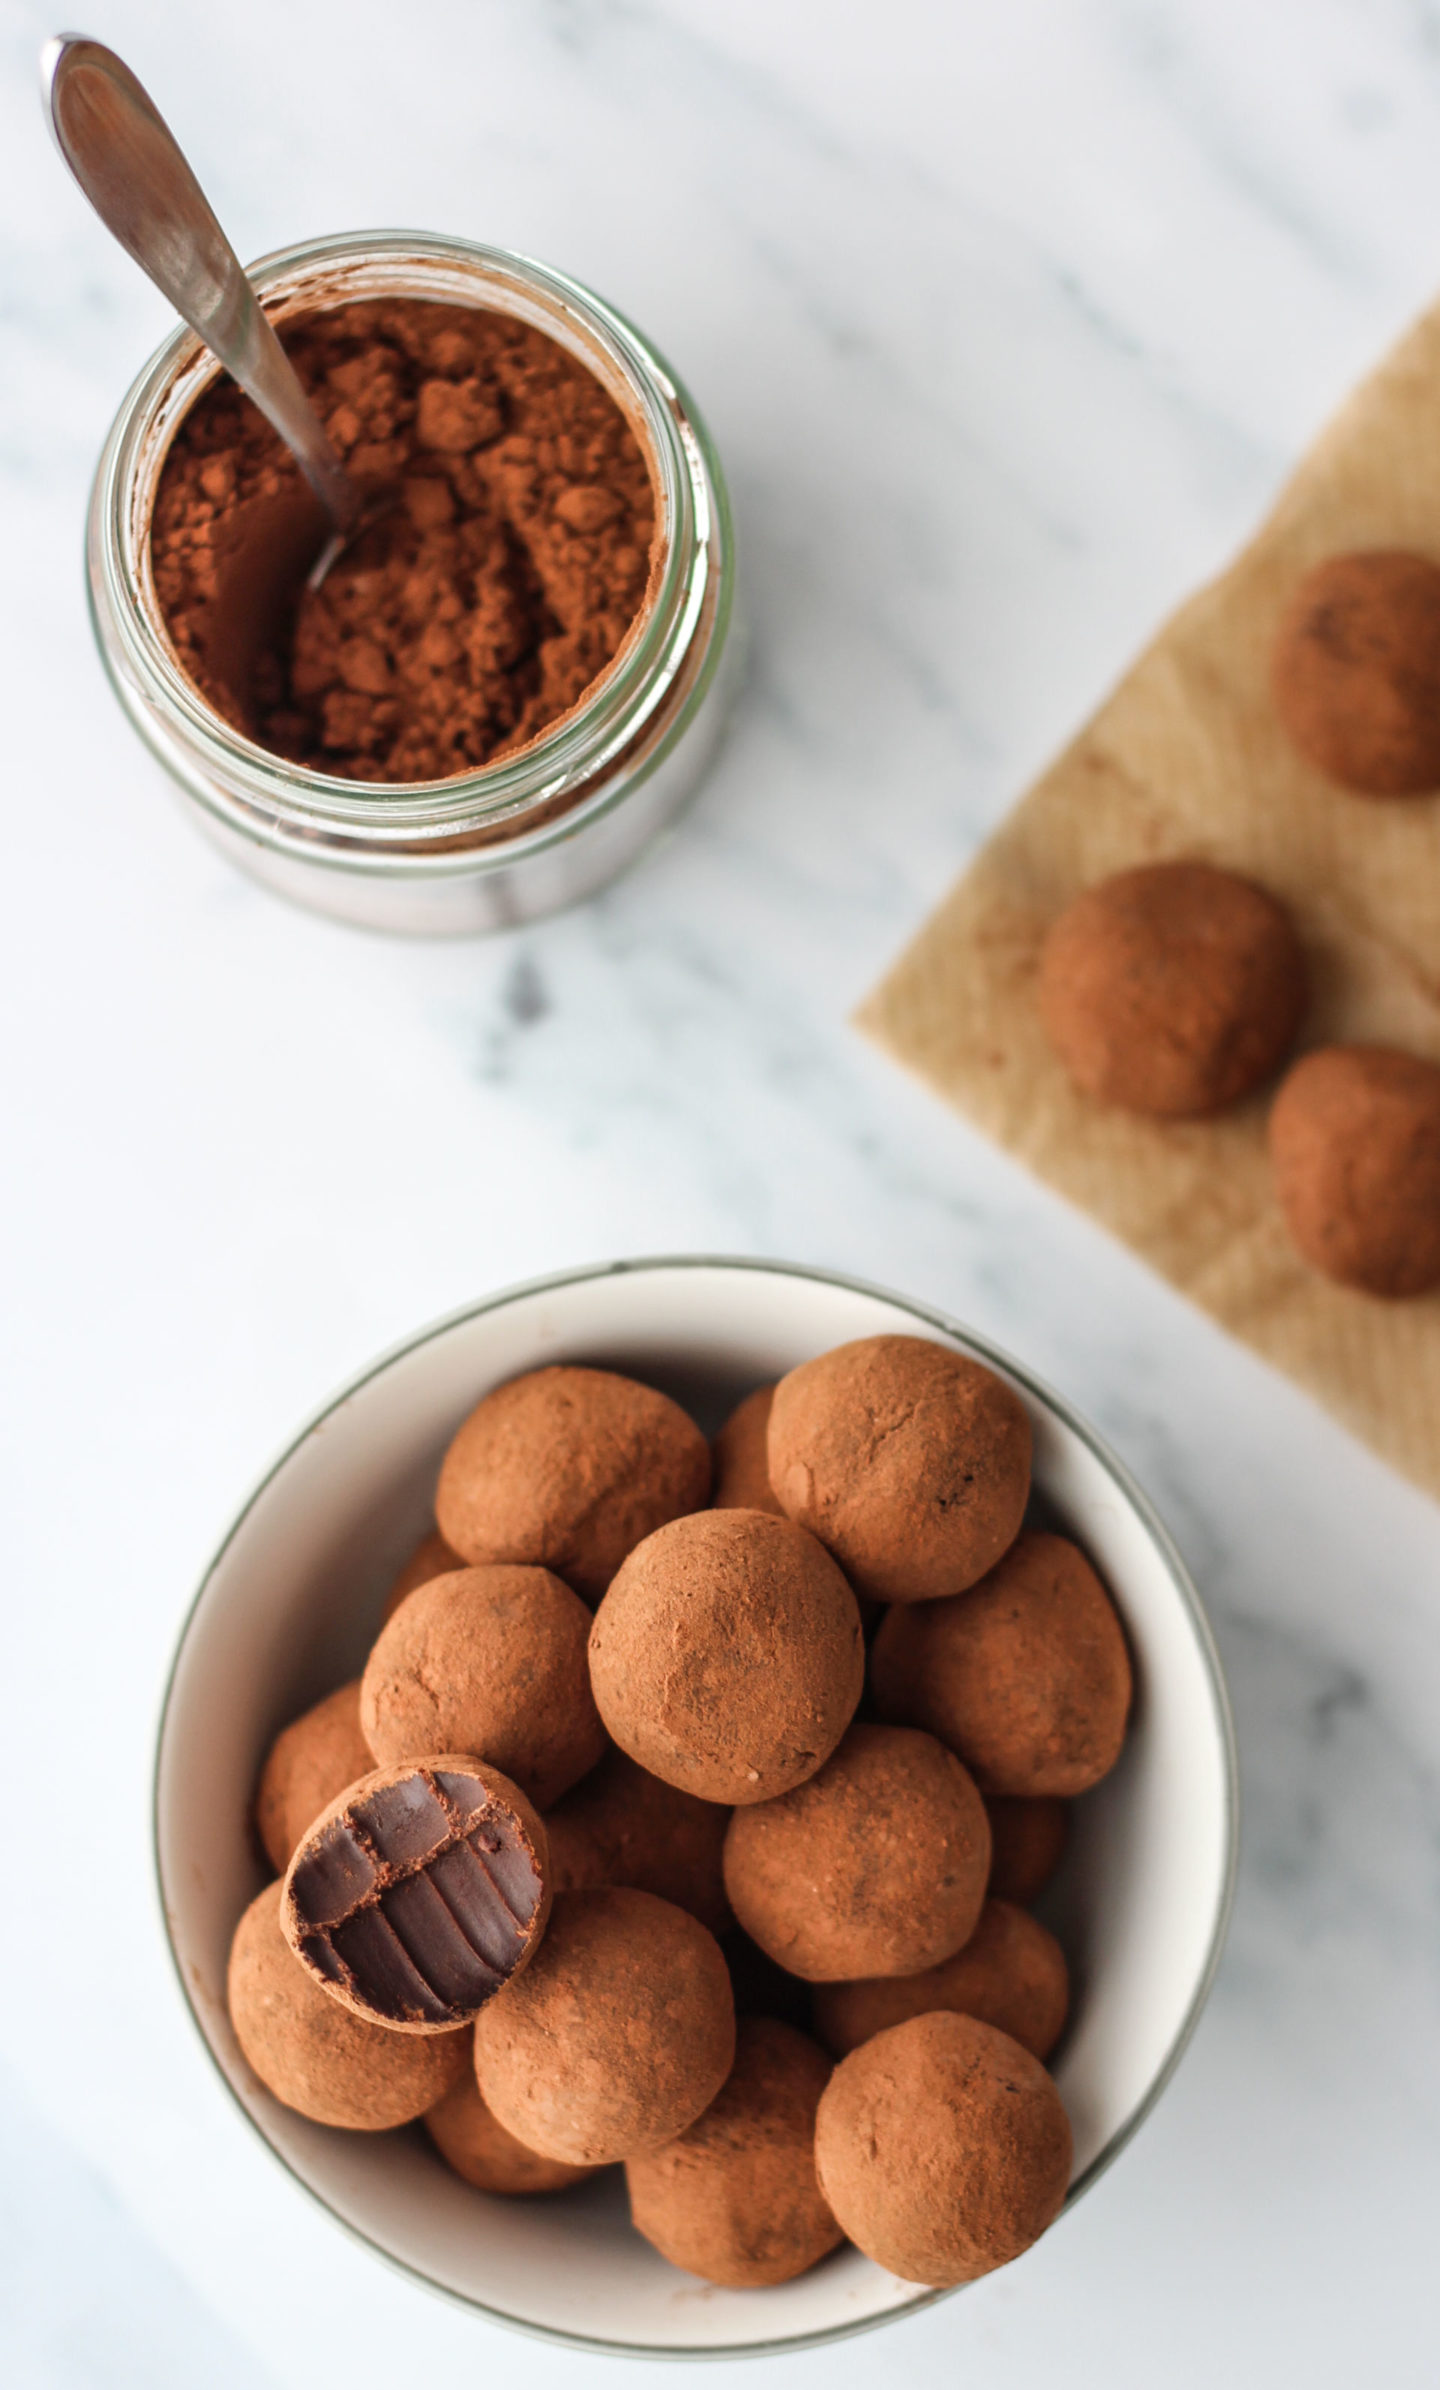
{"x":1186,"y":758}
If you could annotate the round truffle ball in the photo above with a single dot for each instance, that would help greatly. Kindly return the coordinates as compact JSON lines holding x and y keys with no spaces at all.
{"x":1172,"y":990}
{"x":616,"y":2037}
{"x":313,"y":2054}
{"x":1010,"y":1974}
{"x":1355,"y":1146}
{"x":1027,"y":1844}
{"x":735,"y":2199}
{"x":1355,"y":672}
{"x":432,"y":1557}
{"x":874,"y":1866}
{"x":741,"y":1460}
{"x":483,"y":2153}
{"x":910,"y":1462}
{"x":420,"y":1893}
{"x":1026,"y":1676}
{"x":310,"y":1761}
{"x":943,"y":2149}
{"x":490,"y":1660}
{"x":727,"y":1656}
{"x":569,"y":1469}
{"x":624,"y":1826}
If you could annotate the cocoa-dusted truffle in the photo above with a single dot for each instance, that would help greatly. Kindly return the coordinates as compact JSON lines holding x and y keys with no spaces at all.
{"x":1355,"y":1145}
{"x":727,"y":1656}
{"x":875,"y":1866}
{"x":312,"y":2053}
{"x":1026,"y":1676}
{"x":742,"y":1467}
{"x":432,"y":1557}
{"x":943,"y":2149}
{"x":1010,"y":1974}
{"x":1355,"y":671}
{"x":624,"y":1826}
{"x":471,"y":2140}
{"x":489,"y":1660}
{"x":1027,"y":1844}
{"x":910,"y":1462}
{"x":419,"y":1893}
{"x":1172,"y":990}
{"x":735,"y":2198}
{"x":310,"y":1761}
{"x":617,"y":2036}
{"x":569,"y":1469}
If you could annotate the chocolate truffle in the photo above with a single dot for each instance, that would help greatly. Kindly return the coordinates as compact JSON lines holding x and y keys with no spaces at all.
{"x":1010,"y":1974}
{"x":1026,"y":1676}
{"x":432,"y":1557}
{"x":875,"y":1866}
{"x":569,"y":1469}
{"x":1027,"y":1843}
{"x":617,"y":2036}
{"x":1355,"y":672}
{"x":312,"y":2053}
{"x":469,"y":2139}
{"x":312,"y":1760}
{"x":419,"y":1893}
{"x":943,"y":2149}
{"x":1172,"y":990}
{"x":489,"y":1660}
{"x":742,"y":1466}
{"x":735,"y":2198}
{"x":727,"y":1656}
{"x":1355,"y":1144}
{"x":624,"y":1826}
{"x":910,"y":1462}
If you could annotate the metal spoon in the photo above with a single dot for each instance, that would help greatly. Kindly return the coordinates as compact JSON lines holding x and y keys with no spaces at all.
{"x":127,"y":162}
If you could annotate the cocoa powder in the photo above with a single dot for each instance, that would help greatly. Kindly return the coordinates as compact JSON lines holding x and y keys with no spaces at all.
{"x":478,"y":608}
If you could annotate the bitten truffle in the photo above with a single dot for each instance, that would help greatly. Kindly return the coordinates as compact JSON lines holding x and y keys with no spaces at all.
{"x":569,"y":1469}
{"x":735,"y":2198}
{"x":312,"y":1760}
{"x":489,"y":1660}
{"x":1027,"y":1841}
{"x":1172,"y":990}
{"x":1355,"y":672}
{"x":419,"y":1893}
{"x":742,"y":1467}
{"x":432,"y":1557}
{"x":727,"y":1656}
{"x":479,"y":2149}
{"x":875,"y":1866}
{"x":1355,"y":1146}
{"x":1026,"y":1676}
{"x":943,"y":2149}
{"x":624,"y":1826}
{"x":908,"y":1461}
{"x":312,"y":2053}
{"x":1010,"y":1974}
{"x":617,"y":2036}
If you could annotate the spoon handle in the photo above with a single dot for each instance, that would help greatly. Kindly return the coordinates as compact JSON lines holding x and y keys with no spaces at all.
{"x":131,"y":169}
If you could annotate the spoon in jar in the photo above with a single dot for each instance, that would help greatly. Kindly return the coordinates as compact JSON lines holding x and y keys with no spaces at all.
{"x":135,"y":176}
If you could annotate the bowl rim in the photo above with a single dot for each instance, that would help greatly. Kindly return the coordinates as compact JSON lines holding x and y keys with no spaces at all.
{"x":1181,"y":1583}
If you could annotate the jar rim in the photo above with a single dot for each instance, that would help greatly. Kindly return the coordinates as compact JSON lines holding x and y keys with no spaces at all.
{"x":571,"y":754}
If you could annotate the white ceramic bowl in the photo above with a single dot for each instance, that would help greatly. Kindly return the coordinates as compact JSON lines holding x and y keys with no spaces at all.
{"x":290,"y":1605}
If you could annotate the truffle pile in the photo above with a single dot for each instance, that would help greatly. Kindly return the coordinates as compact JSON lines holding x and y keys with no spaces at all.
{"x":1176,"y":989}
{"x":598,"y":1863}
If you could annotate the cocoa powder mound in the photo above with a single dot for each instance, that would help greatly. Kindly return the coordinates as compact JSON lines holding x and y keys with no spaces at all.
{"x":477,"y":610}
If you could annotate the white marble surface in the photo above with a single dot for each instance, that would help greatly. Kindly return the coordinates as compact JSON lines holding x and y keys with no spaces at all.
{"x":1009,"y":321}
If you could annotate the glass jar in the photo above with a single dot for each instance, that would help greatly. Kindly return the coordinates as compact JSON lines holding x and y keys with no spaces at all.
{"x":518,"y":837}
